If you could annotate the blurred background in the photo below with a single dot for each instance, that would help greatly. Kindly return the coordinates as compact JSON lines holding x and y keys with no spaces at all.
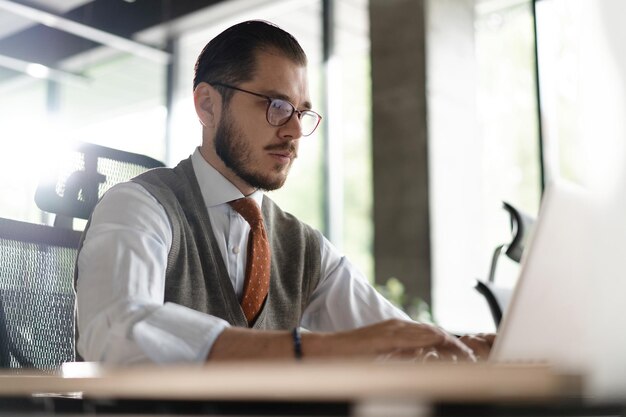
{"x":431,"y":116}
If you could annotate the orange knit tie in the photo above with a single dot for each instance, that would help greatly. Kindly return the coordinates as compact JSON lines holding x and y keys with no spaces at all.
{"x":257,"y":283}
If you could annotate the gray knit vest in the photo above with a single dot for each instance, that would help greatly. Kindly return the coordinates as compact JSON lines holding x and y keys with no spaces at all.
{"x":196,"y":274}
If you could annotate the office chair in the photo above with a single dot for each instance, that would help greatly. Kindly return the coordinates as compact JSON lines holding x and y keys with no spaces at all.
{"x":80,"y":179}
{"x":36,"y":295}
{"x":498,"y":297}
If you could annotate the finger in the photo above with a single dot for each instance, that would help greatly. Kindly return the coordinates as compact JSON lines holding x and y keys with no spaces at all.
{"x":479,"y":344}
{"x":409,"y":355}
{"x":451,"y":355}
{"x":384,"y":357}
{"x":430,"y":355}
{"x":486,"y":339}
{"x":454,"y":345}
{"x":489,"y":338}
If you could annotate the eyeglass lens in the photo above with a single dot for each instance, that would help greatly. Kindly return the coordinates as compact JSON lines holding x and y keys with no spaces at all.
{"x":279,"y":112}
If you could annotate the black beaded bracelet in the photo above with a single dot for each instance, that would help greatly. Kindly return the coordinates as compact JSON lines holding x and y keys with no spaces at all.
{"x":297,"y":343}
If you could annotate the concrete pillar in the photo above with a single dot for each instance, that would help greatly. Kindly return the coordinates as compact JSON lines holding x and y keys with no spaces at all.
{"x":400,"y":156}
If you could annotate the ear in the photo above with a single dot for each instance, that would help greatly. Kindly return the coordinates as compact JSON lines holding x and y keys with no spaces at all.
{"x":207,"y":102}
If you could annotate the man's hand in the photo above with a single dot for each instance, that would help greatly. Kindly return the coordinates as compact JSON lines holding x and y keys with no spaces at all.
{"x":480,"y":344}
{"x":389,"y":339}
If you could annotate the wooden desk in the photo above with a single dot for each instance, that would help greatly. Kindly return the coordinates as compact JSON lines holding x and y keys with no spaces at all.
{"x":355,"y":383}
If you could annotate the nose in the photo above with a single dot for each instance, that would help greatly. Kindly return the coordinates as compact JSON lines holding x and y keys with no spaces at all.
{"x":292,"y":129}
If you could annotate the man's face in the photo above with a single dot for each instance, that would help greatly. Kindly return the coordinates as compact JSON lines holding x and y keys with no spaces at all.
{"x":255,"y":151}
{"x":236,"y":153}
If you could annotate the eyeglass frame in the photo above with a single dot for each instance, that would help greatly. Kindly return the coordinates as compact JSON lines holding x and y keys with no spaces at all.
{"x":270,"y":100}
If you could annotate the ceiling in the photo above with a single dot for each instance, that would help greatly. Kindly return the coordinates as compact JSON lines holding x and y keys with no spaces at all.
{"x":30,"y":31}
{"x":11,"y":23}
{"x":24,"y":38}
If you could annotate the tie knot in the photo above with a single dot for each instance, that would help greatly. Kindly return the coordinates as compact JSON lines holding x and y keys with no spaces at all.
{"x":249,"y":210}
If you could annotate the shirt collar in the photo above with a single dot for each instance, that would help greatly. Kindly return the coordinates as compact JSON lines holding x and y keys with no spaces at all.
{"x":215,"y":188}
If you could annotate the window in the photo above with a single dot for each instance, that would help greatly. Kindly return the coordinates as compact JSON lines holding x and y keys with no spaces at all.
{"x":120,"y":105}
{"x":483,"y":146}
{"x":24,"y":130}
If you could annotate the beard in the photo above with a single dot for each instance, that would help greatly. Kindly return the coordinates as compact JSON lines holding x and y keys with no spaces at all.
{"x":234,"y":151}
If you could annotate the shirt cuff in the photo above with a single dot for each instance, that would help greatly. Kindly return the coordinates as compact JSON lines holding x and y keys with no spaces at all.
{"x":177,"y":334}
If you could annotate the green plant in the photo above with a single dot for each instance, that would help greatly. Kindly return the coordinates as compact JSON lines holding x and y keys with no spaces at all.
{"x":415,"y":307}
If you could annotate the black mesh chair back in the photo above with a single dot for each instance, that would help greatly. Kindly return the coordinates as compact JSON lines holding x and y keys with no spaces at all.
{"x":83,"y":176}
{"x":36,"y":295}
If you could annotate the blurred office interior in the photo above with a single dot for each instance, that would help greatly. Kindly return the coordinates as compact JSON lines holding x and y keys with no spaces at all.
{"x":431,"y":115}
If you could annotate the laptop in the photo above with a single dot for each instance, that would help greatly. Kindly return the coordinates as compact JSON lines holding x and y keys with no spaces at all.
{"x":555,"y":315}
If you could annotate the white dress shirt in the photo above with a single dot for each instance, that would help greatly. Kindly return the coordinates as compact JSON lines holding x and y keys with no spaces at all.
{"x":122,"y":317}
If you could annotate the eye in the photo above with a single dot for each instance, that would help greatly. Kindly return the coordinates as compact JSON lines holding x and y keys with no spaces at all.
{"x":279,"y":111}
{"x":282,"y":106}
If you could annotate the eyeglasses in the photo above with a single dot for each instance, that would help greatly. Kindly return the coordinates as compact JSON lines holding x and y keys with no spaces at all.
{"x":279,"y":111}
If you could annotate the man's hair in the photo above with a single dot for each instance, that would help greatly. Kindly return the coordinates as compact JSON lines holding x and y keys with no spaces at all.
{"x":230,"y":57}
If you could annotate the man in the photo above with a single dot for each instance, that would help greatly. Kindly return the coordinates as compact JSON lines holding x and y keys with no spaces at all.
{"x":173,"y":268}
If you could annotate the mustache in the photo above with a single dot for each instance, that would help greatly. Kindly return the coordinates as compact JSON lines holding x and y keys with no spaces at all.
{"x":288,"y":147}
